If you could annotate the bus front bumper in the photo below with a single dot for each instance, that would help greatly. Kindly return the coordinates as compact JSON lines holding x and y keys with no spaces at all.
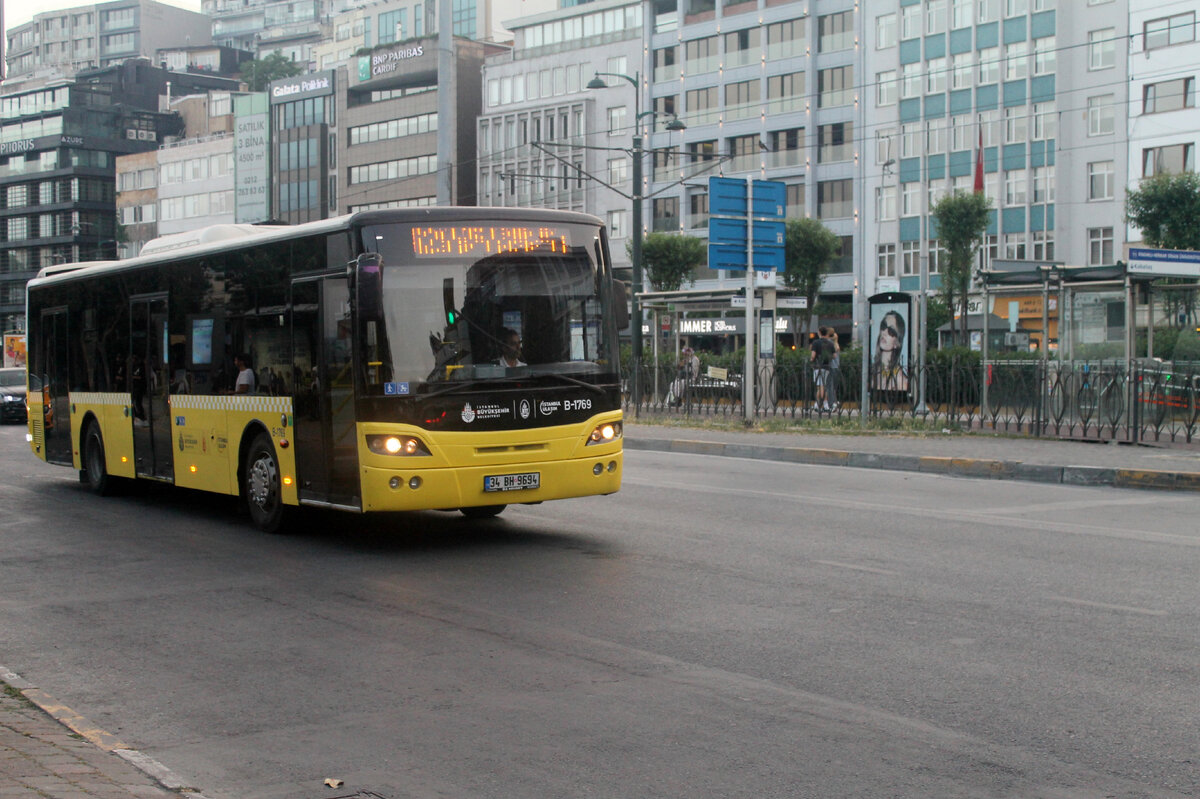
{"x":447,"y":489}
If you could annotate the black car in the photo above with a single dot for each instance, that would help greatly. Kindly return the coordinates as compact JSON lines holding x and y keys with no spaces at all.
{"x":12,"y":395}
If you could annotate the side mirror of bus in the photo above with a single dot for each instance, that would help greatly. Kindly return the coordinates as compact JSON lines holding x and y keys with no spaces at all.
{"x":368,"y":286}
{"x":621,"y":304}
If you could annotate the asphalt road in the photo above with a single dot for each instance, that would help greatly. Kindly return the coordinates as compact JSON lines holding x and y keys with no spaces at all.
{"x":720,"y":628}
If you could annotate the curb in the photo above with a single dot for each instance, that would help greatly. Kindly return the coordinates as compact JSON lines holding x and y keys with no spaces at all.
{"x":102,"y":740}
{"x":985,"y":468}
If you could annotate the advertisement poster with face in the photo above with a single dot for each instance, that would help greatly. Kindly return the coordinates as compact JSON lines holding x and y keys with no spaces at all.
{"x":890,"y":348}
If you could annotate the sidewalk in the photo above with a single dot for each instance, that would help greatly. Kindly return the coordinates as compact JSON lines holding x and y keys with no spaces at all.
{"x":960,"y":454}
{"x":44,"y":756}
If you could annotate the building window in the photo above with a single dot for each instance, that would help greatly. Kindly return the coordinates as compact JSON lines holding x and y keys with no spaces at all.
{"x":910,"y":21}
{"x":835,"y":199}
{"x":1043,"y":184}
{"x":961,"y":12}
{"x":1015,"y":8}
{"x":885,"y":259}
{"x":910,"y":139}
{"x":885,"y":152}
{"x":1166,"y":31}
{"x":937,"y":191}
{"x":616,"y":120}
{"x":885,"y":204}
{"x":910,"y":258}
{"x":665,"y":214}
{"x":1102,"y":49}
{"x":836,"y":32}
{"x":1045,"y":58}
{"x":989,"y":65}
{"x":795,"y":201}
{"x":935,"y":140}
{"x":1045,"y":121}
{"x":935,"y":16}
{"x":1016,"y":125}
{"x":1014,"y":187}
{"x":961,"y":67}
{"x":616,"y":225}
{"x":1100,"y":246}
{"x":1172,"y":159}
{"x":988,"y":10}
{"x":1169,"y":95}
{"x":910,"y":199}
{"x":935,"y":75}
{"x":1100,"y":180}
{"x":835,"y":86}
{"x":936,"y":253}
{"x":961,"y":128}
{"x":1014,"y":246}
{"x":886,"y":89}
{"x":1101,"y":117}
{"x":885,"y":31}
{"x":1016,"y":61}
{"x":1043,"y":245}
{"x":835,"y":142}
{"x":910,"y":80}
{"x":617,"y":171}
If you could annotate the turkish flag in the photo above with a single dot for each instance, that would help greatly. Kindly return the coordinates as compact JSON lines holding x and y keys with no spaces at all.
{"x":979,"y":164}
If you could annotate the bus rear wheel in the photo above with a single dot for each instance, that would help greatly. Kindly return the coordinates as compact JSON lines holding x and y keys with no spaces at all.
{"x":95,"y":471}
{"x":260,"y":485}
{"x":482,"y":511}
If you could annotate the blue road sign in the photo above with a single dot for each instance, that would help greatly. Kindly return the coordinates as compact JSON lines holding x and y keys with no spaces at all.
{"x":770,"y":199}
{"x":727,"y":231}
{"x":727,"y":196}
{"x":727,"y":256}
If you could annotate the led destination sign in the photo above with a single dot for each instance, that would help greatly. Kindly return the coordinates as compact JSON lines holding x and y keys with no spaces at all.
{"x":477,"y":241}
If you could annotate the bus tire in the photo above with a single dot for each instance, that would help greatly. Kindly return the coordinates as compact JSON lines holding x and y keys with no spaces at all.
{"x":261,"y":486}
{"x":482,"y":511}
{"x":95,"y":471}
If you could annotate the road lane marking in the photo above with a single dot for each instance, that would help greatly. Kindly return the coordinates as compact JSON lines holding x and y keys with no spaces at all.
{"x":1087,"y":603}
{"x":856,"y":568}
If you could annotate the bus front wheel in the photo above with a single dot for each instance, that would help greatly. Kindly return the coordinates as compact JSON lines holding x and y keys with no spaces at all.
{"x":95,"y":472}
{"x":482,"y":511}
{"x":260,"y":485}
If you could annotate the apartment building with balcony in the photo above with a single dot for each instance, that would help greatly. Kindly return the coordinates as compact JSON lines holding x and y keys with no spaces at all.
{"x":56,"y":45}
{"x":1042,"y":83}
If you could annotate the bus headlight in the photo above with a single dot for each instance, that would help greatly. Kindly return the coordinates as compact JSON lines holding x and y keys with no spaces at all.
{"x":609,"y":431}
{"x":396,"y":445}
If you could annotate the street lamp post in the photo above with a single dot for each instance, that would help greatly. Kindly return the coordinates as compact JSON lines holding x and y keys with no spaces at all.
{"x":638,"y":153}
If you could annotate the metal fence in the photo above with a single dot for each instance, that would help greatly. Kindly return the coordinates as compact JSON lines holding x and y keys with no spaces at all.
{"x":1152,"y":403}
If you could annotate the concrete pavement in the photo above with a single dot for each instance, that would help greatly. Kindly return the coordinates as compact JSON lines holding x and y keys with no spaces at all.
{"x":49,"y":752}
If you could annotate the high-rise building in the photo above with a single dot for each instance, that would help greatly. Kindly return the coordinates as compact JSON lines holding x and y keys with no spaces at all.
{"x":545,"y":139}
{"x":58,"y":44}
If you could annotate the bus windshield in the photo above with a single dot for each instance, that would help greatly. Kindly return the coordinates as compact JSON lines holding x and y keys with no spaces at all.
{"x":469,"y":302}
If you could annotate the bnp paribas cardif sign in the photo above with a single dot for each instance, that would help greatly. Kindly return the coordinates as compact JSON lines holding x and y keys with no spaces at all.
{"x":302,"y":87}
{"x":388,"y":62}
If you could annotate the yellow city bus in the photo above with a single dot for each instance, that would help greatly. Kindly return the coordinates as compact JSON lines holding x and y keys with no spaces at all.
{"x":356,"y":363}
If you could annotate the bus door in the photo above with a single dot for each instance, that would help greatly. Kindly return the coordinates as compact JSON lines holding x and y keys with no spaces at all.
{"x":148,"y":387}
{"x":53,"y":377}
{"x":326,"y":451}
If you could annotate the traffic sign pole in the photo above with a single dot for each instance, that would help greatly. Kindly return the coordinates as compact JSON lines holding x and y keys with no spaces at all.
{"x":748,"y":409}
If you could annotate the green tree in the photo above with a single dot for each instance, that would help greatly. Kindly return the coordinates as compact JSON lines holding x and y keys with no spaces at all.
{"x":1165,"y":208}
{"x":258,"y":73}
{"x":808,"y":251}
{"x":668,"y":259}
{"x":939,"y":314}
{"x":962,"y":220}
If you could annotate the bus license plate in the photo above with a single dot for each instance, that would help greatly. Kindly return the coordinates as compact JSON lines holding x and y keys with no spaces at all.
{"x":512,"y":482}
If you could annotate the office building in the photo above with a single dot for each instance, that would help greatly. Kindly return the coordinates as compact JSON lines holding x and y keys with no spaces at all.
{"x":56,"y":45}
{"x":58,"y":148}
